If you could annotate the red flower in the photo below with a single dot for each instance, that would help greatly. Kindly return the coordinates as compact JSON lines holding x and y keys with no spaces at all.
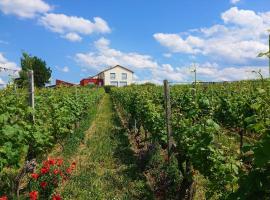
{"x":59,"y":162}
{"x":34,"y":176}
{"x":44,"y":170}
{"x":56,"y":197}
{"x":56,"y":171}
{"x":52,"y":161}
{"x":69,"y":170}
{"x":3,"y":198}
{"x":43,"y":184}
{"x":33,"y":195}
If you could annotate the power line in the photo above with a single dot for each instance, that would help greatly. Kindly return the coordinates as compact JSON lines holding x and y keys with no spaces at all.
{"x":7,"y":69}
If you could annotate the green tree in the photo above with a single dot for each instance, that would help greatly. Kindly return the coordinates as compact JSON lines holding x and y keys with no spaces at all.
{"x":42,"y":73}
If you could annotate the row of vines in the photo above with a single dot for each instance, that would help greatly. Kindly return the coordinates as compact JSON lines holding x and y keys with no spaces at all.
{"x":204,"y":119}
{"x":57,"y":113}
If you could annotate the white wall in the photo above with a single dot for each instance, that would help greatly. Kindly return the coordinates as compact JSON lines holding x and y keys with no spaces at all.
{"x":118,"y":72}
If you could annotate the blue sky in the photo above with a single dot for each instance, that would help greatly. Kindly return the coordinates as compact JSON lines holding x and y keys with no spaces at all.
{"x":157,"y":39}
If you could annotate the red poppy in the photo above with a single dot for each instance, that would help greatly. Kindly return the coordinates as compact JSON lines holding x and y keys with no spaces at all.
{"x":44,"y":170}
{"x":43,"y":184}
{"x":33,"y":195}
{"x":59,"y":162}
{"x":3,"y":198}
{"x":56,"y":171}
{"x":68,"y":170}
{"x":34,"y":176}
{"x":52,"y":161}
{"x":56,"y":197}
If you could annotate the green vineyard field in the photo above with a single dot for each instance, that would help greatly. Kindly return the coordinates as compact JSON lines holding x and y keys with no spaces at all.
{"x":221,"y":134}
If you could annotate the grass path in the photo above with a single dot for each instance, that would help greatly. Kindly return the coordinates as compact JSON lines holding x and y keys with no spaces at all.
{"x":106,"y":166}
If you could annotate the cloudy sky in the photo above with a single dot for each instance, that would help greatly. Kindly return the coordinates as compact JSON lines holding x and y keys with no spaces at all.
{"x":157,"y":39}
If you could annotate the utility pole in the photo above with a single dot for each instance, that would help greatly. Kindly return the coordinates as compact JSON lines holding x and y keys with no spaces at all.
{"x":195,"y":73}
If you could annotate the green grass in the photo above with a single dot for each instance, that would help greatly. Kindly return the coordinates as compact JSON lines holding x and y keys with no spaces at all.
{"x":106,"y":165}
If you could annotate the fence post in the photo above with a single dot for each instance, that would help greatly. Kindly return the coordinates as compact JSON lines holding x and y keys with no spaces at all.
{"x":168,"y":113}
{"x":31,"y":92}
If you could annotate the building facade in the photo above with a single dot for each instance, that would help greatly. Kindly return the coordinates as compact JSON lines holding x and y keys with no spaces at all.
{"x":115,"y":76}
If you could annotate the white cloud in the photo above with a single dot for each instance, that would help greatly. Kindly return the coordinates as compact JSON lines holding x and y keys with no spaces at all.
{"x":237,"y":41}
{"x":23,"y":8}
{"x":175,"y":43}
{"x":235,"y":1}
{"x":73,"y":37}
{"x":105,"y":56}
{"x":205,"y":72}
{"x":63,"y":69}
{"x":244,"y":18}
{"x":167,"y":55}
{"x":2,"y":82}
{"x":4,"y":62}
{"x":71,"y":27}
{"x":213,"y":72}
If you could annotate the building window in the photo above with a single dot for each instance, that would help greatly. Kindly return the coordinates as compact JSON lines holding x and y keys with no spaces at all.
{"x":124,"y":76}
{"x":112,"y":75}
{"x":123,"y":83}
{"x":114,"y":83}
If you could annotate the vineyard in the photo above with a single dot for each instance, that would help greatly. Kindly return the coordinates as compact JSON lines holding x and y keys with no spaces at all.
{"x":218,"y":147}
{"x":57,"y":114}
{"x":220,"y":138}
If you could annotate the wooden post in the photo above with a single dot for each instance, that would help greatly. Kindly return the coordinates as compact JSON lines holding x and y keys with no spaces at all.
{"x":168,"y":113}
{"x":31,"y":91}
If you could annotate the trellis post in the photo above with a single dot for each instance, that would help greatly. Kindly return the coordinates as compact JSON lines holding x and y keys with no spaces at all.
{"x":168,"y":116}
{"x":31,"y":92}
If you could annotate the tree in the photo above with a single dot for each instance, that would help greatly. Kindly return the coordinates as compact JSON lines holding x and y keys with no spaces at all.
{"x":42,"y":73}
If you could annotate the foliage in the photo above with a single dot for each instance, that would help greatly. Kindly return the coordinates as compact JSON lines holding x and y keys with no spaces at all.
{"x":199,"y":117}
{"x":57,"y":111}
{"x":42,"y":73}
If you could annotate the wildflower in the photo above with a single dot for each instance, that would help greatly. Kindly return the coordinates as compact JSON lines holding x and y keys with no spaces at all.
{"x":43,"y":184}
{"x":56,"y":197}
{"x":68,"y":170}
{"x":44,"y":170}
{"x":33,"y":195}
{"x":56,"y":171}
{"x":52,"y":161}
{"x":59,"y":162}
{"x":34,"y":176}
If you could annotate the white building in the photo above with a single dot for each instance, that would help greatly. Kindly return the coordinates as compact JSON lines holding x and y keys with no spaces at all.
{"x":116,"y":76}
